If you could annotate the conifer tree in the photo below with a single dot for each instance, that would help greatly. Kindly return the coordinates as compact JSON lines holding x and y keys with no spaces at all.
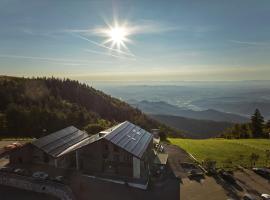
{"x":257,"y":123}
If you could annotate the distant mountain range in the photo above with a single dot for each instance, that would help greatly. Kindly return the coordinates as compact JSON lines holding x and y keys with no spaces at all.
{"x":198,"y":129}
{"x":239,"y":98}
{"x":163,"y":108}
{"x":244,"y":105}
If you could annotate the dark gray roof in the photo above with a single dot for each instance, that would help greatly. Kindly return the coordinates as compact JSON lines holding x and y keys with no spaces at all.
{"x":130,"y":137}
{"x":63,"y":141}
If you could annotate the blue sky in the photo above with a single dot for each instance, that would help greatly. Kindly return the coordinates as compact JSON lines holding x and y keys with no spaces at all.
{"x":174,"y":40}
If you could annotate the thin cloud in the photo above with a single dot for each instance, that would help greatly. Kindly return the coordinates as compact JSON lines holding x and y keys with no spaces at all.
{"x":70,"y":61}
{"x":250,"y":43}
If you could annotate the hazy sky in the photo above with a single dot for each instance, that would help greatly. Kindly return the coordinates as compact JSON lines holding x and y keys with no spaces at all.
{"x":170,"y":40}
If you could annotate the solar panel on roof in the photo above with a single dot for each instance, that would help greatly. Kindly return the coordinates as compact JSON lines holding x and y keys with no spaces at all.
{"x":56,"y":135}
{"x":58,"y":142}
{"x":126,"y":135}
{"x":130,"y":137}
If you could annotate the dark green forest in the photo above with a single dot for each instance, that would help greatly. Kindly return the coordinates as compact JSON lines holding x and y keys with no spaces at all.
{"x":38,"y":106}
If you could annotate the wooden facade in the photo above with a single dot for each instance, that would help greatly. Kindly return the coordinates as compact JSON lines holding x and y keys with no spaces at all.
{"x":30,"y":154}
{"x":123,"y":156}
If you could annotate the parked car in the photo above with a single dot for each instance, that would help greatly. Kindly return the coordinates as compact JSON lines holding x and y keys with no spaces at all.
{"x":14,"y":145}
{"x":59,"y":179}
{"x":227,"y":177}
{"x":9,"y":147}
{"x":20,"y":171}
{"x":40,"y":175}
{"x":264,"y":172}
{"x":265,"y":196}
{"x":248,"y":197}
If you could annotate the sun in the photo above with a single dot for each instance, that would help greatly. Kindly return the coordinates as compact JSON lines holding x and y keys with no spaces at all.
{"x":116,"y":36}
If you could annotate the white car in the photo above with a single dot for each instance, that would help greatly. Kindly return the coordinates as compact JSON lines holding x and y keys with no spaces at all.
{"x":265,"y":196}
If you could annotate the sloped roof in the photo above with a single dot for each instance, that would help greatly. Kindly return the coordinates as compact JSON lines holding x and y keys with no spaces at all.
{"x":130,"y":137}
{"x":63,"y":141}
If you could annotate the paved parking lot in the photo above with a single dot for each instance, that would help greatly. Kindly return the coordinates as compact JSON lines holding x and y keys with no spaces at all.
{"x":252,"y":183}
{"x":206,"y":188}
{"x":200,"y":188}
{"x":215,"y":188}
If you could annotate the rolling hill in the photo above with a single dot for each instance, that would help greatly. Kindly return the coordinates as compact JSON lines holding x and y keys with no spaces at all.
{"x":163,"y":108}
{"x":245,"y":105}
{"x":197,"y":129}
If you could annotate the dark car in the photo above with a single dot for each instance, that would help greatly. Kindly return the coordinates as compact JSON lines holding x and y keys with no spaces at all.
{"x":227,"y":177}
{"x":264,"y":172}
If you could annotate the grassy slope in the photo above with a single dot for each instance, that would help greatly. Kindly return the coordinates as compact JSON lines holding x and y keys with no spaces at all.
{"x":222,"y":149}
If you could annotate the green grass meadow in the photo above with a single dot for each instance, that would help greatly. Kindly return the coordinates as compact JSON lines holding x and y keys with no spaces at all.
{"x":220,"y":150}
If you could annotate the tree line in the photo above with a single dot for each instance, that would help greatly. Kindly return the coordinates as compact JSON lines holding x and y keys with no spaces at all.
{"x":256,"y":128}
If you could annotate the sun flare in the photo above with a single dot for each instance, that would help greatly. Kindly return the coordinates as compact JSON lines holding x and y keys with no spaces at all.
{"x":116,"y":36}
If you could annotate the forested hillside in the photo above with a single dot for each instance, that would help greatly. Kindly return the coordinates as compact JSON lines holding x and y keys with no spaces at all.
{"x":194,"y":128}
{"x":38,"y":106}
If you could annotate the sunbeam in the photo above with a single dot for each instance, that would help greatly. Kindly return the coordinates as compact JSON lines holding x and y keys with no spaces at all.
{"x":116,"y":36}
